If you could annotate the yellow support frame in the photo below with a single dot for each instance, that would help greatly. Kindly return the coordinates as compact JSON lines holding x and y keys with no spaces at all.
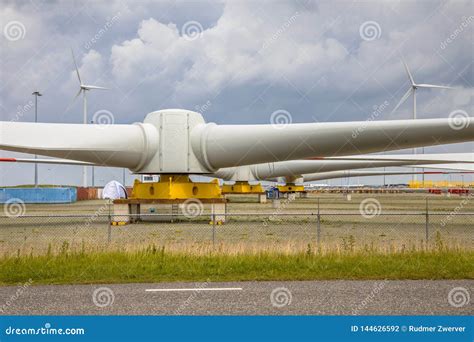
{"x":290,"y":187}
{"x":242,"y":188}
{"x":173,"y":186}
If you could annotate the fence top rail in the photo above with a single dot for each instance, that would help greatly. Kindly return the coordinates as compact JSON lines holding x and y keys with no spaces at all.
{"x":270,"y":214}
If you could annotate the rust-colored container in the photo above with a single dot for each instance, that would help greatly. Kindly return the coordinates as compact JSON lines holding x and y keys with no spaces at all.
{"x":85,"y":194}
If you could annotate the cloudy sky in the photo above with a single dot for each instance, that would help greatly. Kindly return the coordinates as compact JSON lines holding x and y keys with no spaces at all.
{"x":235,"y":62}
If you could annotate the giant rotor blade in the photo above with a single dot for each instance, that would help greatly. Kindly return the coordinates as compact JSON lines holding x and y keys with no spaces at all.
{"x":233,"y":145}
{"x":128,"y":146}
{"x":366,"y":173}
{"x":74,"y":99}
{"x":45,"y":161}
{"x":424,"y":85}
{"x":403,"y":99}
{"x":176,"y":141}
{"x":77,"y":69}
{"x":93,"y":87}
{"x":296,"y":168}
{"x":410,"y":76}
{"x":428,"y":157}
{"x":455,"y":166}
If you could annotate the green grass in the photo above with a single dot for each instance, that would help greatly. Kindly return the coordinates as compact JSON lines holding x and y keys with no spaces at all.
{"x":158,"y":265}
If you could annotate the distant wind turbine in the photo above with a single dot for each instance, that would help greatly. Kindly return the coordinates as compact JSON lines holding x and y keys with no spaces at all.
{"x":412,"y":90}
{"x":83,"y":88}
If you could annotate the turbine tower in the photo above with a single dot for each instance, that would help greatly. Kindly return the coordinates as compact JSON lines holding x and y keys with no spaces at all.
{"x":83,"y":88}
{"x":412,"y":90}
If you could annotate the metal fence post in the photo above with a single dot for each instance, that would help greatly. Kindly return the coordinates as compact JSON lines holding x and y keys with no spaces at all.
{"x":427,"y":223}
{"x":109,"y":230}
{"x":213,"y":229}
{"x":318,"y":230}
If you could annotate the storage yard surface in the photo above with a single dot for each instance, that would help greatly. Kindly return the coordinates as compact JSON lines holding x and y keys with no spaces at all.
{"x":400,"y":221}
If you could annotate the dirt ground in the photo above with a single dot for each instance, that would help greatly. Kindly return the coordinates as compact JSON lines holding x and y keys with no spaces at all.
{"x":398,"y":220}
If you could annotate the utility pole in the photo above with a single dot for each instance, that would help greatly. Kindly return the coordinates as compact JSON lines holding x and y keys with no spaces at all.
{"x":384,"y":183}
{"x":36,"y":94}
{"x":84,"y":168}
{"x":93,"y":170}
{"x":423,"y":169}
{"x":414,"y":178}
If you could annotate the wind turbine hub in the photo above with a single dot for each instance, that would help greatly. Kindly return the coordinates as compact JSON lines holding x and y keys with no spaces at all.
{"x":182,"y":143}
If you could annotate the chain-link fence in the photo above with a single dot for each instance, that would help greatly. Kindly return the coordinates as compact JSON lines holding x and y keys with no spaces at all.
{"x":368,"y":227}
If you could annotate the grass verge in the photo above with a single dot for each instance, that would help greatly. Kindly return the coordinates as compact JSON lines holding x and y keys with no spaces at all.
{"x":158,"y":265}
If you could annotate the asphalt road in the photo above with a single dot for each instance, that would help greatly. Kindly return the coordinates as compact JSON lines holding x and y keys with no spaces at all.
{"x":341,"y":297}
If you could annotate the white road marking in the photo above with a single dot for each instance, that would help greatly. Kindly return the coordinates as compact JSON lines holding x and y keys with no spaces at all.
{"x":197,"y":289}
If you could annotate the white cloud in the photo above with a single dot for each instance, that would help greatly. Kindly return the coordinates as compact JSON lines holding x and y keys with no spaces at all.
{"x":248,"y":46}
{"x":252,"y":58}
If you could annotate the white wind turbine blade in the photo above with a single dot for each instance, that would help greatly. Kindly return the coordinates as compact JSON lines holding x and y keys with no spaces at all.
{"x":74,"y":99}
{"x":403,"y":99}
{"x":94,"y":87}
{"x":77,"y":95}
{"x":424,"y":85}
{"x":114,"y":145}
{"x":457,"y":166}
{"x":45,"y":161}
{"x":232,"y":145}
{"x":77,"y":69}
{"x":408,"y":73}
{"x":427,"y":158}
{"x":365,"y":173}
{"x":138,"y":146}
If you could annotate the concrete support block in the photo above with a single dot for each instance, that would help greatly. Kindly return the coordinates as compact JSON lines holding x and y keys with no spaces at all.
{"x":121,"y":213}
{"x":219,"y":210}
{"x":276,"y":203}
